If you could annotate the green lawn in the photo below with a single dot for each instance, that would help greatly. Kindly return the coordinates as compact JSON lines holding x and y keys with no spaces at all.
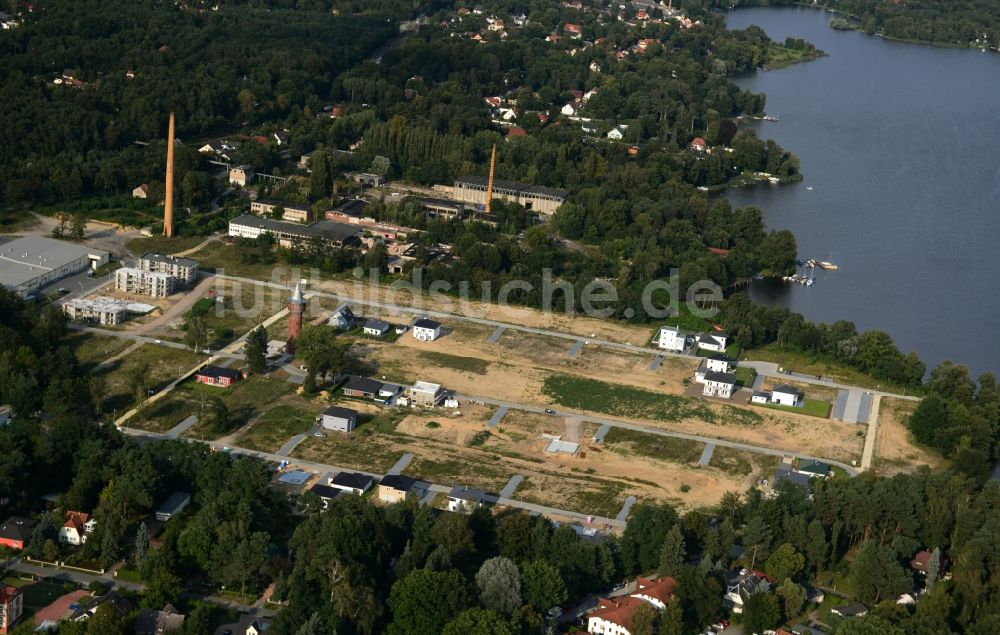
{"x":160,"y":364}
{"x":625,"y":401}
{"x":812,"y":407}
{"x":41,"y":594}
{"x":779,"y":56}
{"x":745,"y":376}
{"x":654,"y":446}
{"x":472,"y":365}
{"x":164,"y":245}
{"x":275,"y":427}
{"x":816,"y":365}
{"x":92,"y":349}
{"x":245,"y":399}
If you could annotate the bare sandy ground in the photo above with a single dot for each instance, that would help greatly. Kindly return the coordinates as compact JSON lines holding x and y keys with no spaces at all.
{"x":894,"y":449}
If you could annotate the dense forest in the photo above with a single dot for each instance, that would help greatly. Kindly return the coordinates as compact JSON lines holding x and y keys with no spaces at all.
{"x":404,"y":569}
{"x":962,"y":23}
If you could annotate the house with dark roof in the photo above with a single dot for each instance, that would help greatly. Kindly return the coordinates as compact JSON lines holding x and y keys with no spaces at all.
{"x":785,"y":473}
{"x":426,"y":330}
{"x":362,"y":387}
{"x":746,"y":585}
{"x":337,"y":418}
{"x":342,"y":318}
{"x":395,"y":488}
{"x":719,"y":385}
{"x":153,"y":622}
{"x":174,"y":505}
{"x":217,"y":376}
{"x":854,"y":609}
{"x":326,"y":493}
{"x":16,"y":532}
{"x":714,"y":341}
{"x":120,"y":604}
{"x":377,"y":328}
{"x":922,"y":560}
{"x":464,"y":499}
{"x":813,"y":469}
{"x":786,"y":396}
{"x":714,"y":363}
{"x":351,"y":482}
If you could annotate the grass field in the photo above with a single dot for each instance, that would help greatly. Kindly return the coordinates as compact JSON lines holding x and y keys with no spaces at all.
{"x":731,"y":461}
{"x":161,"y":365}
{"x":472,"y":365}
{"x":276,"y":426}
{"x":654,"y":446}
{"x":626,"y":401}
{"x":812,"y":407}
{"x":745,"y":376}
{"x":92,"y":349}
{"x":164,"y":245}
{"x":815,"y":365}
{"x":368,"y":453}
{"x":41,"y":594}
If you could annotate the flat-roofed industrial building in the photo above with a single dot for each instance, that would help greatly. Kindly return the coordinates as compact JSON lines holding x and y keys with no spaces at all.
{"x":33,"y":262}
{"x":534,"y":198}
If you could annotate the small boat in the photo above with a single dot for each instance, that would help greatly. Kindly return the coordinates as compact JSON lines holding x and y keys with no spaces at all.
{"x":825,"y":264}
{"x":809,"y":187}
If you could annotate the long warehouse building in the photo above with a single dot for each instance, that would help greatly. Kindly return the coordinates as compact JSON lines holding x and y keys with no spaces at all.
{"x":33,"y":262}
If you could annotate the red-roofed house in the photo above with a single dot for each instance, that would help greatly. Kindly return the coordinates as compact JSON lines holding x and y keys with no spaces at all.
{"x":641,"y":15}
{"x":11,"y":607}
{"x":614,"y":616}
{"x":573,"y":30}
{"x":517,"y":132}
{"x":74,"y":531}
{"x":698,"y":144}
{"x":656,"y":592}
{"x":718,"y":251}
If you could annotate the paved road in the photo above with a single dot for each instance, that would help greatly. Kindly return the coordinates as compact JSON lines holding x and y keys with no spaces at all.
{"x":655,"y":364}
{"x":638,"y":427}
{"x":141,"y":339}
{"x":497,"y":417}
{"x":626,"y":508}
{"x":182,"y":427}
{"x":575,"y":349}
{"x":840,"y":405}
{"x":508,"y":489}
{"x":868,"y":455}
{"x":401,"y":464}
{"x":601,"y":433}
{"x":291,"y":444}
{"x":706,"y":454}
{"x":492,"y":339}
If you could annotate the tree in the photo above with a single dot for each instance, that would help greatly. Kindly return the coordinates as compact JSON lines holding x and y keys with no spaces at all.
{"x":784,"y":563}
{"x":480,"y":622}
{"x":761,"y":612}
{"x":672,"y":553}
{"x":452,"y":532}
{"x":793,"y":597}
{"x":199,"y":621}
{"x":77,"y":227}
{"x":642,"y":540}
{"x":255,"y":350}
{"x":195,"y":332}
{"x":141,"y":544}
{"x":499,"y":585}
{"x":877,"y":573}
{"x":868,"y":625}
{"x":425,"y":601}
{"x":933,"y":568}
{"x":542,"y":586}
{"x":817,"y":548}
{"x":644,"y":620}
{"x":312,"y":626}
{"x":672,"y":619}
{"x":106,"y":620}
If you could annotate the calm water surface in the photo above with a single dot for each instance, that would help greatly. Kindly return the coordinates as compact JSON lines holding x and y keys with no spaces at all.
{"x":900,"y":145}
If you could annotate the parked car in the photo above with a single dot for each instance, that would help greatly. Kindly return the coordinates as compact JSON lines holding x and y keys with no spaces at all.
{"x":550,"y":411}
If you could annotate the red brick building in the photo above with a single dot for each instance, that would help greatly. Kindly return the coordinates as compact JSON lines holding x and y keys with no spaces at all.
{"x":11,"y":607}
{"x":217,"y":376}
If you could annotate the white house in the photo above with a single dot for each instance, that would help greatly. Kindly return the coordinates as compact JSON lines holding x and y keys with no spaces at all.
{"x":74,"y":531}
{"x":424,"y":393}
{"x":761,"y":397}
{"x":716,"y":363}
{"x":259,"y":626}
{"x":426,"y":330}
{"x":671,"y":339}
{"x":241,"y":175}
{"x":617,"y":133}
{"x":342,"y":318}
{"x":376,"y":328}
{"x":351,"y":482}
{"x":464,"y":499}
{"x":141,"y":192}
{"x":613,"y":616}
{"x":786,"y":396}
{"x":719,"y":385}
{"x":712,"y":341}
{"x":337,"y":418}
{"x":569,"y":110}
{"x":748,"y":584}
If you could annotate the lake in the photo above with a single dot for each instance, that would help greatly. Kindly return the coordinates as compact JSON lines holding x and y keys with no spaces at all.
{"x":899,"y":145}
